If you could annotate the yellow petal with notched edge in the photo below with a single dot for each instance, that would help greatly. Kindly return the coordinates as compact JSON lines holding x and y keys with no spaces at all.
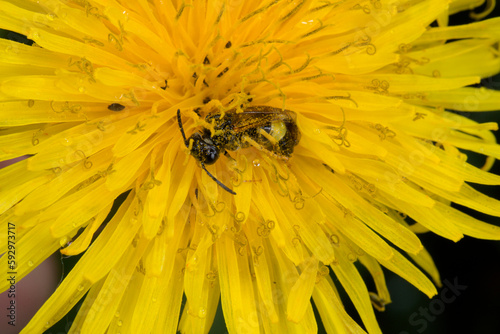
{"x":378,"y":276}
{"x":405,"y":269}
{"x":424,"y":261}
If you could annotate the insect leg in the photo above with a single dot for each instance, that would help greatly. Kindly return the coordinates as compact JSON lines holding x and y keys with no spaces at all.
{"x":262,"y":148}
{"x":266,"y":135}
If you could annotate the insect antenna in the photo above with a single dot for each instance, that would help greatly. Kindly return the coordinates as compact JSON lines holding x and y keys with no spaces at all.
{"x":179,"y":120}
{"x":180,"y":127}
{"x":217,"y":181}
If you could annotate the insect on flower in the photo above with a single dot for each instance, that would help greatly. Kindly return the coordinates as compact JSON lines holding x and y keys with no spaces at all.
{"x":269,"y":129}
{"x":116,"y":107}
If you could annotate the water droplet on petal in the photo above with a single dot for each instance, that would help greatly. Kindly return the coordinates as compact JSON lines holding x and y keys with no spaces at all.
{"x":202,"y":313}
{"x":119,"y":323}
{"x":30,"y":263}
{"x":256,"y":162}
{"x":334,"y":239}
{"x":80,"y":287}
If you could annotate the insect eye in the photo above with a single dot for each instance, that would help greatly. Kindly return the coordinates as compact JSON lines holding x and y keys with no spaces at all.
{"x":210,"y":154}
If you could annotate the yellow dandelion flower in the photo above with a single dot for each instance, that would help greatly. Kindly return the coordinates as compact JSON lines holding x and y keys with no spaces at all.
{"x":263,"y":148}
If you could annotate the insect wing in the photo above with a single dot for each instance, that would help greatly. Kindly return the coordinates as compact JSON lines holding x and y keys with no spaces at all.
{"x":254,"y":117}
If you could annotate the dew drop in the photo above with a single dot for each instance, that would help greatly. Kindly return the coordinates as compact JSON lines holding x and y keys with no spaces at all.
{"x":30,"y":263}
{"x":317,"y":131}
{"x":256,"y":162}
{"x":119,"y":323}
{"x":8,"y":49}
{"x":133,"y":221}
{"x":202,"y":313}
{"x":50,"y":16}
{"x":66,"y":141}
{"x":154,"y":299}
{"x":81,"y":89}
{"x":351,"y":257}
{"x":80,"y":287}
{"x":334,"y":239}
{"x":117,"y":314}
{"x":31,"y":103}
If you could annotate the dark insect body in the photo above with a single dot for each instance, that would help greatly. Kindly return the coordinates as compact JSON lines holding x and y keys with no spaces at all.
{"x":270,"y":129}
{"x":116,"y":107}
